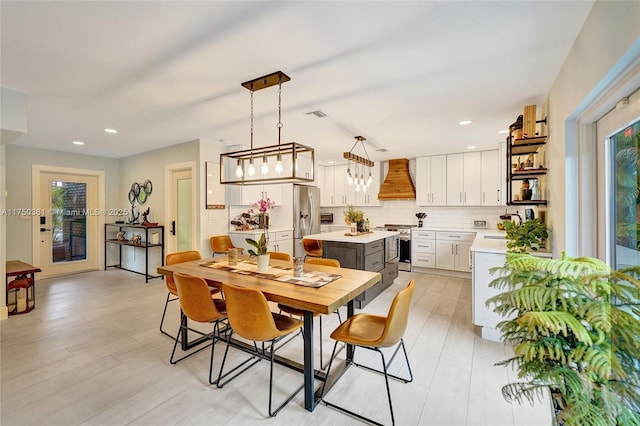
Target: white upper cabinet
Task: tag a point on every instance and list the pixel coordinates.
(493, 178)
(327, 187)
(431, 180)
(369, 197)
(334, 191)
(344, 193)
(246, 195)
(464, 178)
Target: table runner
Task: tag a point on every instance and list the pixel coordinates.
(276, 273)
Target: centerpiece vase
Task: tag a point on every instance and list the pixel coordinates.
(263, 262)
(263, 220)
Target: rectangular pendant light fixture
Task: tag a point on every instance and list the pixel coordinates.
(281, 163)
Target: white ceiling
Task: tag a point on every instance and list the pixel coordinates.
(403, 74)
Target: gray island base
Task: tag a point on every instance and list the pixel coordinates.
(376, 251)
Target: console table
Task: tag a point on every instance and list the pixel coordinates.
(145, 243)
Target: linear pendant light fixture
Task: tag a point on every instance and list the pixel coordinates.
(293, 162)
(359, 166)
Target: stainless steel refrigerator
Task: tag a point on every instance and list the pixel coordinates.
(306, 215)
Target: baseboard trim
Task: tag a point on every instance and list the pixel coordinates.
(443, 272)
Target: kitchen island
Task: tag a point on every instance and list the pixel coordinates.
(375, 251)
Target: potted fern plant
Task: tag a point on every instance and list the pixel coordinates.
(575, 330)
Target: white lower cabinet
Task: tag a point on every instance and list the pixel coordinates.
(481, 314)
(281, 240)
(423, 249)
(452, 250)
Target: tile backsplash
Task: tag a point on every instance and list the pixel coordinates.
(404, 213)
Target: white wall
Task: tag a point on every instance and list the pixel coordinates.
(212, 222)
(13, 119)
(609, 32)
(151, 165)
(18, 185)
(3, 232)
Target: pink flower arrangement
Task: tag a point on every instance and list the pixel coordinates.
(264, 205)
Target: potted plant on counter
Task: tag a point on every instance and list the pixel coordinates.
(260, 252)
(351, 215)
(526, 236)
(575, 330)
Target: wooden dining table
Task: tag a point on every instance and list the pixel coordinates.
(323, 300)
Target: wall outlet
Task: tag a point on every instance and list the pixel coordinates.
(480, 224)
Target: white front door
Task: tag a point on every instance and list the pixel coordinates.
(67, 236)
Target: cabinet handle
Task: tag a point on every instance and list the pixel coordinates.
(465, 196)
(461, 197)
(498, 195)
(483, 198)
(332, 199)
(456, 250)
(451, 248)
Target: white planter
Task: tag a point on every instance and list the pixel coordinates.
(263, 263)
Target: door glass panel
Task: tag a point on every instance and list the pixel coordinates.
(68, 221)
(183, 222)
(625, 148)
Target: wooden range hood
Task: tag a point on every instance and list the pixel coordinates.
(398, 184)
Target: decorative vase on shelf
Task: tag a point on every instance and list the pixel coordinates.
(263, 262)
(535, 190)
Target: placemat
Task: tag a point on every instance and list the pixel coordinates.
(276, 273)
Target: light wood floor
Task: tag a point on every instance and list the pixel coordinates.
(91, 353)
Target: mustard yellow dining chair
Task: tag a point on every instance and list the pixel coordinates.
(251, 318)
(172, 294)
(298, 312)
(278, 255)
(374, 332)
(197, 305)
(312, 248)
(220, 244)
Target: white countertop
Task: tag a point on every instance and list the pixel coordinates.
(338, 236)
(253, 231)
(495, 242)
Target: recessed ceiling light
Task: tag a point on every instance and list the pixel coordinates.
(330, 162)
(502, 132)
(111, 130)
(381, 150)
(465, 122)
(78, 143)
(471, 147)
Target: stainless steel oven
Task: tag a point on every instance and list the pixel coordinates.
(404, 258)
(404, 263)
